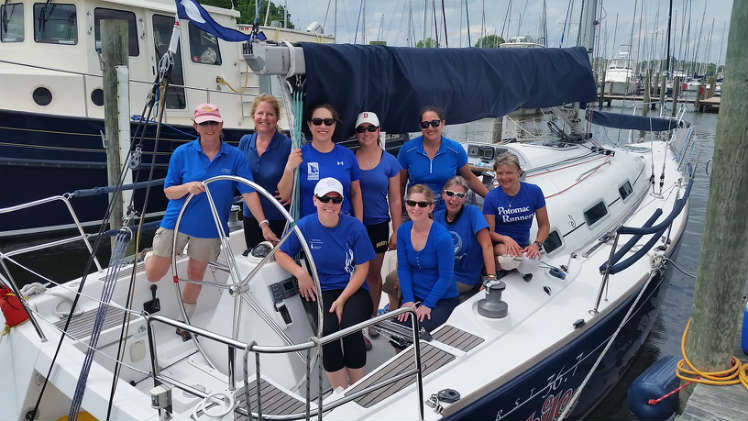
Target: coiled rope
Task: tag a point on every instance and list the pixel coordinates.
(736, 374)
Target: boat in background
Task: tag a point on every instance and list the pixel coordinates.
(619, 77)
(52, 102)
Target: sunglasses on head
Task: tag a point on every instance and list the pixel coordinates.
(327, 199)
(451, 193)
(433, 123)
(208, 123)
(327, 121)
(361, 129)
(413, 203)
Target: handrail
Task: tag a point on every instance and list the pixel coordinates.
(677, 207)
(234, 344)
(632, 241)
(69, 206)
(95, 191)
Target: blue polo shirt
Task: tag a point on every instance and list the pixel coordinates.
(189, 163)
(468, 252)
(427, 274)
(336, 251)
(514, 214)
(375, 185)
(267, 169)
(447, 162)
(339, 163)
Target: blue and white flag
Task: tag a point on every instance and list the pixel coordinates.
(191, 10)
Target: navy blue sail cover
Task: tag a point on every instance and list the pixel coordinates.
(467, 83)
(634, 122)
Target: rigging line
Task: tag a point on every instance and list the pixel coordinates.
(444, 18)
(123, 337)
(82, 283)
(358, 20)
(566, 20)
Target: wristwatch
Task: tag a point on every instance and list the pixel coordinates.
(539, 244)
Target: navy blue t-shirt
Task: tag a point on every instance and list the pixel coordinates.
(189, 163)
(514, 213)
(336, 251)
(267, 169)
(375, 184)
(468, 252)
(339, 163)
(447, 162)
(427, 274)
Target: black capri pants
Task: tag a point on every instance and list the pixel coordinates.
(349, 351)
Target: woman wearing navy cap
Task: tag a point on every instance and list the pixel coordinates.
(341, 251)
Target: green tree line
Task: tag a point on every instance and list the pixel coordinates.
(247, 11)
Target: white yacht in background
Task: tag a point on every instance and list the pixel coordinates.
(52, 103)
(619, 78)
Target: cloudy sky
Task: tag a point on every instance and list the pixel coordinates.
(389, 20)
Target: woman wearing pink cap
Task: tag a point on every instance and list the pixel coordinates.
(189, 165)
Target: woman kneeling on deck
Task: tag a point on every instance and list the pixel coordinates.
(425, 262)
(341, 251)
(509, 209)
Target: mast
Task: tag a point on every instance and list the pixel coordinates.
(467, 19)
(588, 26)
(669, 21)
(544, 24)
(363, 22)
(444, 19)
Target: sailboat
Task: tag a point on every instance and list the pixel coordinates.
(572, 324)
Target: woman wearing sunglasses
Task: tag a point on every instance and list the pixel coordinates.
(473, 248)
(380, 188)
(320, 159)
(189, 165)
(267, 152)
(510, 208)
(425, 262)
(341, 251)
(432, 159)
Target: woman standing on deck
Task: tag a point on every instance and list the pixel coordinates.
(341, 251)
(425, 262)
(510, 208)
(432, 159)
(267, 152)
(320, 159)
(380, 186)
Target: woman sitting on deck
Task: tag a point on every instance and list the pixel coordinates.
(425, 262)
(473, 250)
(341, 251)
(509, 210)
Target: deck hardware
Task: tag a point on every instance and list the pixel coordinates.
(492, 306)
(547, 289)
(448, 395)
(579, 323)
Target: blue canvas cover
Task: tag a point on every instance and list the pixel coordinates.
(635, 122)
(468, 83)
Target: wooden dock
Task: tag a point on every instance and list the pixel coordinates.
(705, 105)
(716, 403)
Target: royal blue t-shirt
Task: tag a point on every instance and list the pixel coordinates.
(427, 274)
(468, 252)
(375, 184)
(432, 172)
(267, 169)
(514, 213)
(336, 251)
(339, 163)
(189, 163)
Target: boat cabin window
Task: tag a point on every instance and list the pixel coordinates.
(203, 46)
(595, 213)
(625, 190)
(552, 242)
(132, 29)
(162, 26)
(55, 23)
(11, 22)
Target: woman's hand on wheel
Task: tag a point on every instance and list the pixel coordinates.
(306, 286)
(195, 187)
(404, 316)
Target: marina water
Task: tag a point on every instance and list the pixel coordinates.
(67, 262)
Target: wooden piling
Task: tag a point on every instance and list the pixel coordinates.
(675, 93)
(663, 91)
(114, 52)
(602, 90)
(723, 262)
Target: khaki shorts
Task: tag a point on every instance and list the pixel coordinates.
(200, 249)
(391, 284)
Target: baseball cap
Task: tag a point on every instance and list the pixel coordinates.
(328, 185)
(367, 117)
(207, 112)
